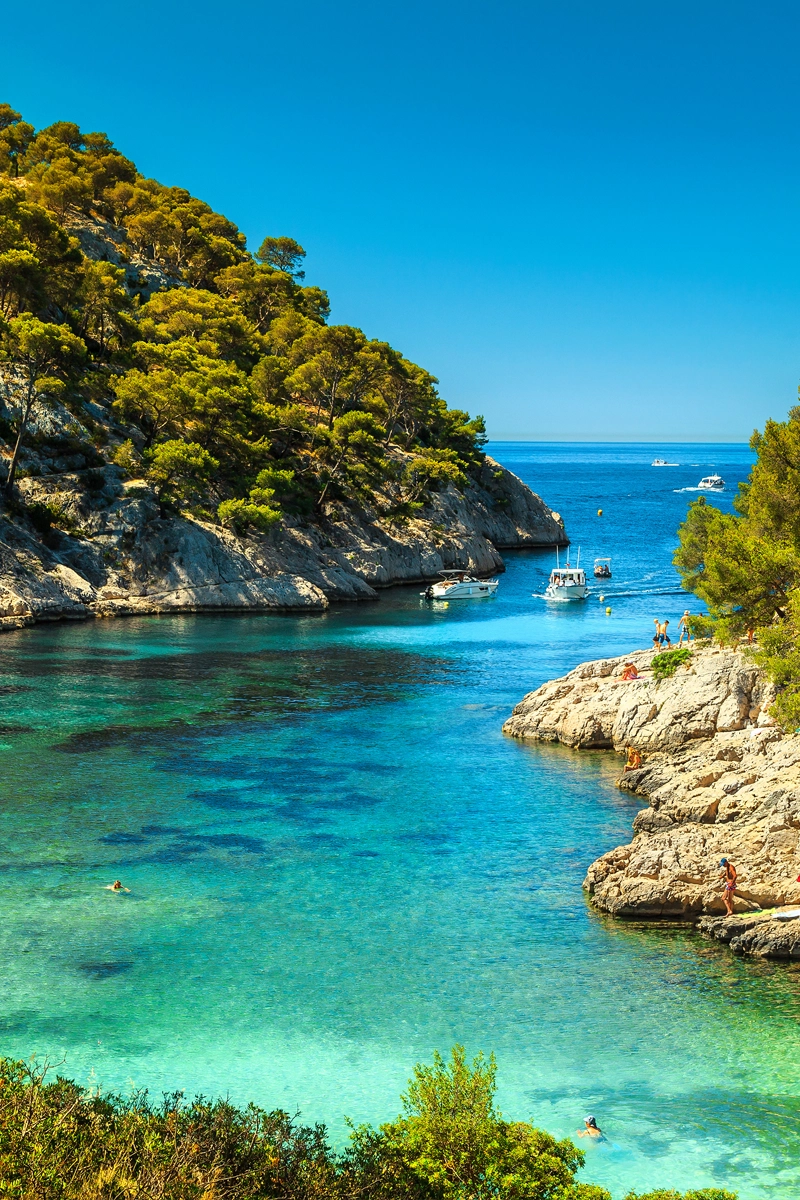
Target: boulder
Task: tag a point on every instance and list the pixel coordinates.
(720, 780)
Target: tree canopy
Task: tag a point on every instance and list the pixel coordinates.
(62, 1142)
(234, 357)
(746, 564)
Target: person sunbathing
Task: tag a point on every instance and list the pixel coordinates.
(630, 672)
(633, 761)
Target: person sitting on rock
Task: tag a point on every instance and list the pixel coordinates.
(630, 671)
(633, 761)
(729, 891)
(592, 1129)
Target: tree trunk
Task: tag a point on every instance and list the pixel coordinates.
(23, 423)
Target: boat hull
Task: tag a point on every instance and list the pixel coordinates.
(476, 589)
(577, 592)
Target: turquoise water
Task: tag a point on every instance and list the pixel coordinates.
(337, 863)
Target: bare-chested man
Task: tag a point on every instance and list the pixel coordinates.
(729, 892)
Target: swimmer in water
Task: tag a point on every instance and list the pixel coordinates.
(591, 1129)
(116, 886)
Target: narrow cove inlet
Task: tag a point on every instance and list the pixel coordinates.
(337, 863)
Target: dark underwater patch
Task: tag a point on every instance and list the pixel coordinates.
(228, 800)
(10, 729)
(122, 839)
(231, 841)
(104, 970)
(162, 830)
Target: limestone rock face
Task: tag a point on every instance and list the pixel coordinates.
(720, 778)
(593, 707)
(113, 551)
(760, 934)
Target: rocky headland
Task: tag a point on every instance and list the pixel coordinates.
(89, 543)
(82, 538)
(719, 777)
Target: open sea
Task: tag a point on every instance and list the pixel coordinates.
(338, 864)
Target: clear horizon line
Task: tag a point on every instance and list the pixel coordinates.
(606, 440)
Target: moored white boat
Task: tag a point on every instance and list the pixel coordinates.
(712, 483)
(662, 462)
(567, 583)
(458, 585)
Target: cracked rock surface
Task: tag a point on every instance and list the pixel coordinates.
(115, 552)
(719, 777)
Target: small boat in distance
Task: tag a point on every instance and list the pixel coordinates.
(602, 568)
(712, 483)
(458, 585)
(662, 462)
(567, 583)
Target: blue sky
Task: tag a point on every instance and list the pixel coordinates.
(582, 217)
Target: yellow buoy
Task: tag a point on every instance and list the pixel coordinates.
(599, 512)
(602, 598)
(608, 611)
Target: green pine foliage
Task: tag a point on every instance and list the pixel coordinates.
(666, 664)
(233, 358)
(59, 1141)
(746, 565)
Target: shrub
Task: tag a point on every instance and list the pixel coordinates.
(703, 1194)
(239, 514)
(665, 665)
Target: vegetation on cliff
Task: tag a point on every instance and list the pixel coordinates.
(239, 399)
(61, 1142)
(746, 565)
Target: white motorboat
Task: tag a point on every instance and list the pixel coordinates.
(602, 568)
(567, 582)
(458, 585)
(712, 483)
(662, 462)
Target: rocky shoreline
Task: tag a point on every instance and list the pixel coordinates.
(720, 779)
(112, 550)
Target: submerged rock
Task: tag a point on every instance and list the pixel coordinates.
(720, 778)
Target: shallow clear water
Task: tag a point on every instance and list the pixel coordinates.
(337, 863)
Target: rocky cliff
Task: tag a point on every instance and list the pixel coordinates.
(86, 543)
(720, 779)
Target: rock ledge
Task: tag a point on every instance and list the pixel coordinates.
(720, 779)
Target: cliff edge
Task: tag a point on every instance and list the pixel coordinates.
(719, 777)
(87, 543)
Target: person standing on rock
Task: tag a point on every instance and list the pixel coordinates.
(685, 628)
(729, 892)
(661, 633)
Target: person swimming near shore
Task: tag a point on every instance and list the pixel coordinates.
(116, 886)
(592, 1129)
(729, 874)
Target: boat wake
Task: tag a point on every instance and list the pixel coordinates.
(705, 491)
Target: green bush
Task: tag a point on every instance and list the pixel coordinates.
(702, 1194)
(666, 664)
(241, 514)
